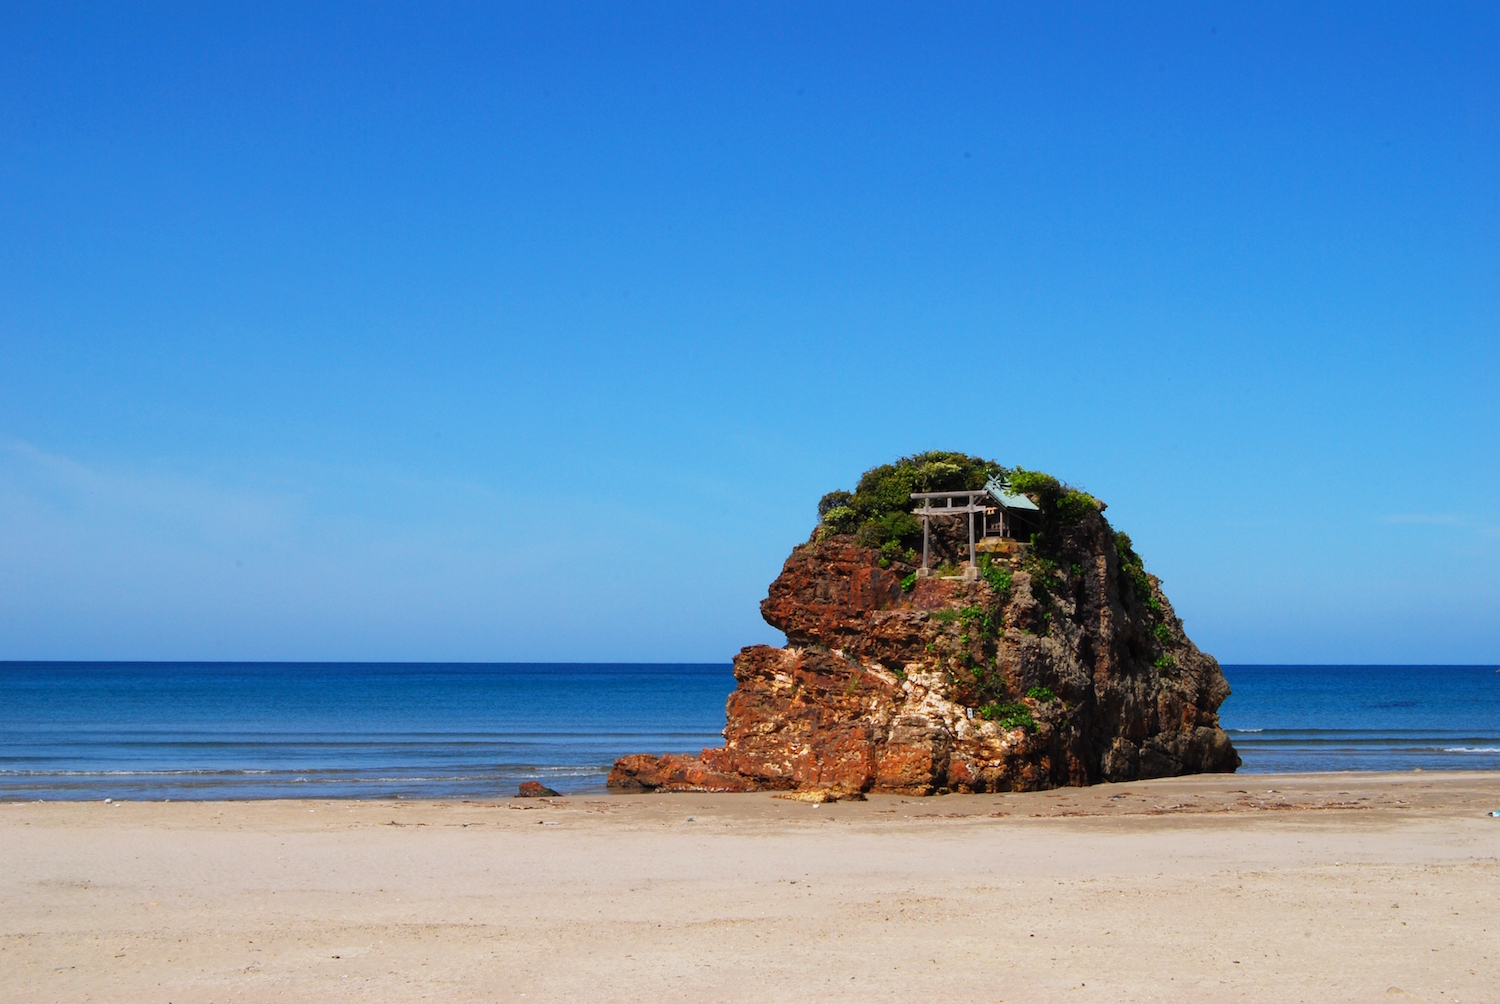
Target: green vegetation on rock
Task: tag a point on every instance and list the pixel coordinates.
(998, 578)
(1065, 503)
(1008, 715)
(1133, 572)
(878, 511)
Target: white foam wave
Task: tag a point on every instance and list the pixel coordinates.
(1471, 749)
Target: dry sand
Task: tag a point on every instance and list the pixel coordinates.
(1334, 887)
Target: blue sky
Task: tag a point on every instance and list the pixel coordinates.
(535, 332)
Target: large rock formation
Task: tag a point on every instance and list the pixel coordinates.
(1047, 671)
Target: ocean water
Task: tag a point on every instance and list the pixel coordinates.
(1326, 718)
(246, 730)
(321, 730)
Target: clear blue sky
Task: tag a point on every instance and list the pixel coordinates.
(535, 332)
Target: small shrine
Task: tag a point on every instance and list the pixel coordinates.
(1001, 512)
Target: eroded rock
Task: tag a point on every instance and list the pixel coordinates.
(1065, 670)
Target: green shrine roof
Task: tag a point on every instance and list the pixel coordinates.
(1001, 493)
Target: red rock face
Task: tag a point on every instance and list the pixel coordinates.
(884, 690)
(827, 593)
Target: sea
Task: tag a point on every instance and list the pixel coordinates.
(175, 730)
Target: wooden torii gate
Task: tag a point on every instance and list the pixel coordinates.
(970, 506)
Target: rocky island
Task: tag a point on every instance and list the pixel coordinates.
(1038, 655)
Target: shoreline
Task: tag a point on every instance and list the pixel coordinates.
(1289, 778)
(1244, 887)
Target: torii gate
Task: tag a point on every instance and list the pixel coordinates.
(971, 505)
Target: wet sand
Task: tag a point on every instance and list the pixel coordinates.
(1329, 887)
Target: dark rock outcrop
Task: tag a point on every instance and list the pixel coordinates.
(1066, 670)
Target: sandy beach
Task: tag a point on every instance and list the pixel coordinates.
(1331, 887)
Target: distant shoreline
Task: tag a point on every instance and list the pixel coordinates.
(1211, 782)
